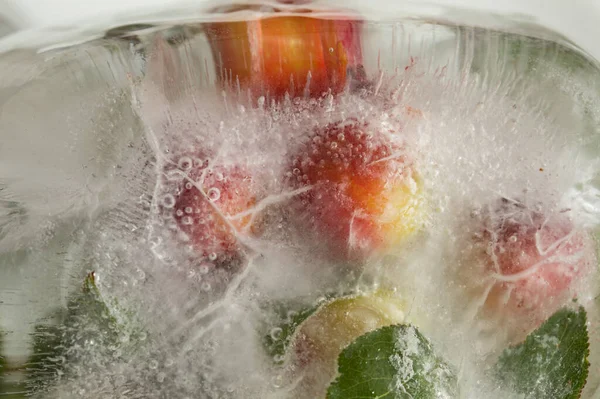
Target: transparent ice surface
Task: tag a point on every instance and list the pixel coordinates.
(98, 138)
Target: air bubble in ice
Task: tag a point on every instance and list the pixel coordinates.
(277, 381)
(276, 333)
(168, 201)
(188, 209)
(160, 377)
(219, 176)
(334, 145)
(185, 163)
(187, 220)
(205, 286)
(153, 364)
(214, 194)
(212, 256)
(199, 162)
(189, 185)
(203, 269)
(179, 212)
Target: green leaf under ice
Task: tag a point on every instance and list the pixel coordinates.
(392, 362)
(47, 362)
(3, 387)
(9, 388)
(2, 360)
(552, 362)
(91, 332)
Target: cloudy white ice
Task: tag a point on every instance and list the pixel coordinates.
(99, 139)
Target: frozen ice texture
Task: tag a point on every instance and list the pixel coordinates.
(469, 104)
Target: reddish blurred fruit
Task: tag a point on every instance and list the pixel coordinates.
(363, 194)
(206, 204)
(295, 54)
(536, 261)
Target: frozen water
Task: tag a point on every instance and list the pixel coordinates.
(128, 159)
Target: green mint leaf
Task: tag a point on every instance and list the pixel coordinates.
(392, 362)
(552, 362)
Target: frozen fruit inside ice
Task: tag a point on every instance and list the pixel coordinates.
(295, 54)
(320, 339)
(208, 206)
(336, 324)
(535, 261)
(364, 193)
